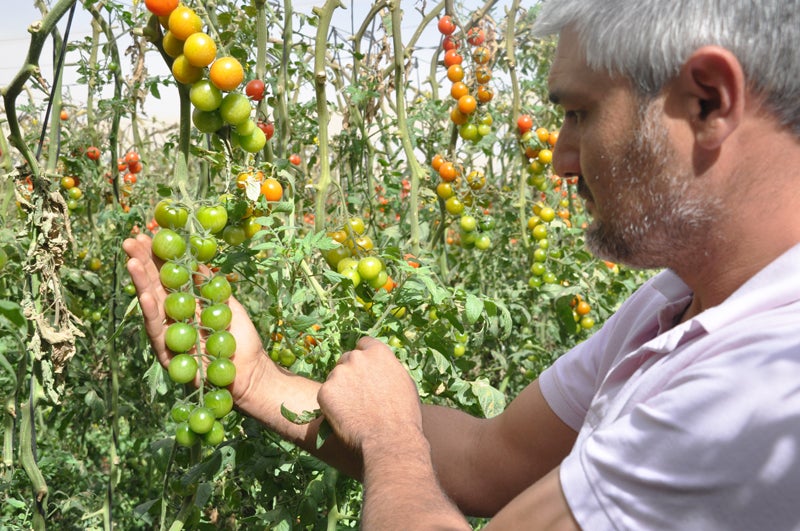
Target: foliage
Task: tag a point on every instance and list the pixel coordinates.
(88, 439)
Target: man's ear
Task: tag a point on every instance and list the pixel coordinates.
(712, 87)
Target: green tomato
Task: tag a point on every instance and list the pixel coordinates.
(380, 280)
(202, 249)
(168, 244)
(487, 223)
(216, 317)
(201, 420)
(468, 223)
(180, 337)
(234, 235)
(180, 305)
(454, 206)
(205, 96)
(221, 344)
(254, 141)
(182, 368)
(221, 372)
(352, 275)
(218, 289)
(184, 435)
(219, 401)
(173, 275)
(169, 215)
(180, 412)
(483, 242)
(213, 218)
(235, 108)
(369, 267)
(216, 435)
(207, 121)
(129, 288)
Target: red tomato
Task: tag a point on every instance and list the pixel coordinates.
(255, 90)
(294, 158)
(446, 25)
(93, 153)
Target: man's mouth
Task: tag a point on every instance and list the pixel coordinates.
(585, 194)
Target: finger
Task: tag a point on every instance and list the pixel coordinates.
(367, 342)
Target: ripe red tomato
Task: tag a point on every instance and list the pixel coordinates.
(524, 123)
(268, 128)
(449, 43)
(294, 158)
(161, 8)
(452, 57)
(446, 25)
(255, 89)
(131, 157)
(93, 153)
(476, 36)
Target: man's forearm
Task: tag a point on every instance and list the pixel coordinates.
(401, 490)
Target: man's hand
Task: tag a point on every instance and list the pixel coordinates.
(369, 396)
(249, 357)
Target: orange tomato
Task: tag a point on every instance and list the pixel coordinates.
(183, 22)
(455, 73)
(467, 104)
(437, 161)
(271, 189)
(452, 57)
(448, 172)
(199, 49)
(161, 8)
(459, 89)
(226, 73)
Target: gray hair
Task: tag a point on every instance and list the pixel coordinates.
(647, 41)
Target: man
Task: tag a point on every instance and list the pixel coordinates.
(682, 121)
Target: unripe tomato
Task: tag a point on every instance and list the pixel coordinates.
(180, 337)
(168, 244)
(221, 344)
(219, 401)
(180, 305)
(170, 215)
(468, 223)
(357, 225)
(182, 368)
(184, 72)
(207, 121)
(271, 189)
(217, 289)
(183, 22)
(253, 142)
(216, 435)
(205, 96)
(217, 317)
(180, 412)
(173, 275)
(213, 218)
(202, 249)
(199, 49)
(226, 73)
(221, 372)
(454, 206)
(369, 267)
(184, 435)
(235, 108)
(201, 420)
(173, 46)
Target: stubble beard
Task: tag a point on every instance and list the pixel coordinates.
(658, 218)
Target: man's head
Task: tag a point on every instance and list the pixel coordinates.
(648, 41)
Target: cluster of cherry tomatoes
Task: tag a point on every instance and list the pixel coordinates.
(581, 312)
(470, 90)
(354, 258)
(183, 242)
(215, 99)
(129, 166)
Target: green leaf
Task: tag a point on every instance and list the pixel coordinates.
(474, 308)
(299, 418)
(155, 380)
(491, 400)
(13, 312)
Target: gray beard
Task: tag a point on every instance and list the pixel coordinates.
(660, 217)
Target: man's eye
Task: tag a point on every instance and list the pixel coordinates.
(573, 116)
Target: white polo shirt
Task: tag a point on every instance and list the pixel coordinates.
(688, 427)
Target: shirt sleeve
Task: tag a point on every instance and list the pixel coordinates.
(717, 449)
